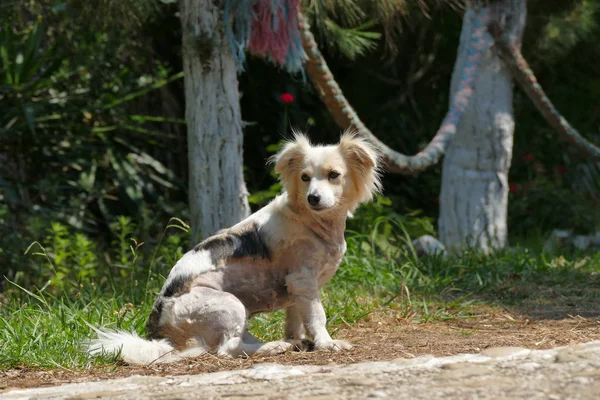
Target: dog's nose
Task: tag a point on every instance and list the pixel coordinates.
(313, 199)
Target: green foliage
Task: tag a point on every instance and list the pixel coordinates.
(560, 189)
(547, 200)
(73, 256)
(70, 111)
(567, 29)
(353, 42)
(348, 26)
(44, 315)
(379, 216)
(127, 15)
(66, 259)
(75, 145)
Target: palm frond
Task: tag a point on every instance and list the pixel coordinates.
(387, 19)
(564, 31)
(353, 42)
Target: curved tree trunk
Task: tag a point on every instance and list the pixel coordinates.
(217, 192)
(474, 195)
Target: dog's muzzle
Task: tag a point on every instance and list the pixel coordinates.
(314, 200)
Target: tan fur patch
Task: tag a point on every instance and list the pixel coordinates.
(178, 336)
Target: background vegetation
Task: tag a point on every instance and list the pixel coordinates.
(93, 162)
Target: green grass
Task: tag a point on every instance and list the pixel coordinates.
(44, 327)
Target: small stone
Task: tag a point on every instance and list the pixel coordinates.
(581, 380)
(378, 393)
(413, 361)
(497, 352)
(491, 361)
(567, 356)
(592, 373)
(528, 367)
(361, 382)
(489, 381)
(558, 238)
(457, 365)
(269, 371)
(464, 369)
(582, 242)
(428, 245)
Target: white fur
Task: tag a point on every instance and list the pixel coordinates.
(197, 262)
(279, 257)
(132, 348)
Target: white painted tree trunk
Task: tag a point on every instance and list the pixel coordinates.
(474, 195)
(217, 192)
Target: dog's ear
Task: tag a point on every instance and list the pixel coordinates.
(364, 162)
(358, 151)
(291, 156)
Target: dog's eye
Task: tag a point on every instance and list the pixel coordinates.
(305, 178)
(333, 175)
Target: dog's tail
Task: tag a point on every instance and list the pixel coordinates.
(131, 348)
(136, 350)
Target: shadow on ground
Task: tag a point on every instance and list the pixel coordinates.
(549, 295)
(535, 288)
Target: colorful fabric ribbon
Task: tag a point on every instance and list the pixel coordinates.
(267, 28)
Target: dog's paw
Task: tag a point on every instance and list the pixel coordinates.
(277, 347)
(334, 345)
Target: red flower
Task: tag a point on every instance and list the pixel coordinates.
(528, 157)
(286, 98)
(561, 170)
(436, 200)
(513, 187)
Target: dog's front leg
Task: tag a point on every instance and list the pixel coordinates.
(294, 328)
(303, 288)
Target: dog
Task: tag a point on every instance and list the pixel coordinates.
(279, 257)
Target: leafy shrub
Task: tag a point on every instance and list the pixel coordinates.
(67, 260)
(76, 146)
(545, 197)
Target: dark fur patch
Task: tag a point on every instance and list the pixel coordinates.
(228, 245)
(220, 247)
(305, 345)
(152, 328)
(251, 244)
(177, 286)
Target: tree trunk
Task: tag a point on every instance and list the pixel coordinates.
(474, 195)
(217, 192)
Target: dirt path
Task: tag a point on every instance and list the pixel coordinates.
(381, 337)
(569, 372)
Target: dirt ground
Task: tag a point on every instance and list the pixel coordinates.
(382, 336)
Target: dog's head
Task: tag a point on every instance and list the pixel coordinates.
(326, 179)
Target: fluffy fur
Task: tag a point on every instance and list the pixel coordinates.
(279, 257)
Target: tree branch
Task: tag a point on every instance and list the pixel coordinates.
(523, 74)
(346, 117)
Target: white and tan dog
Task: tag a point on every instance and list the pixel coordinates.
(279, 257)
